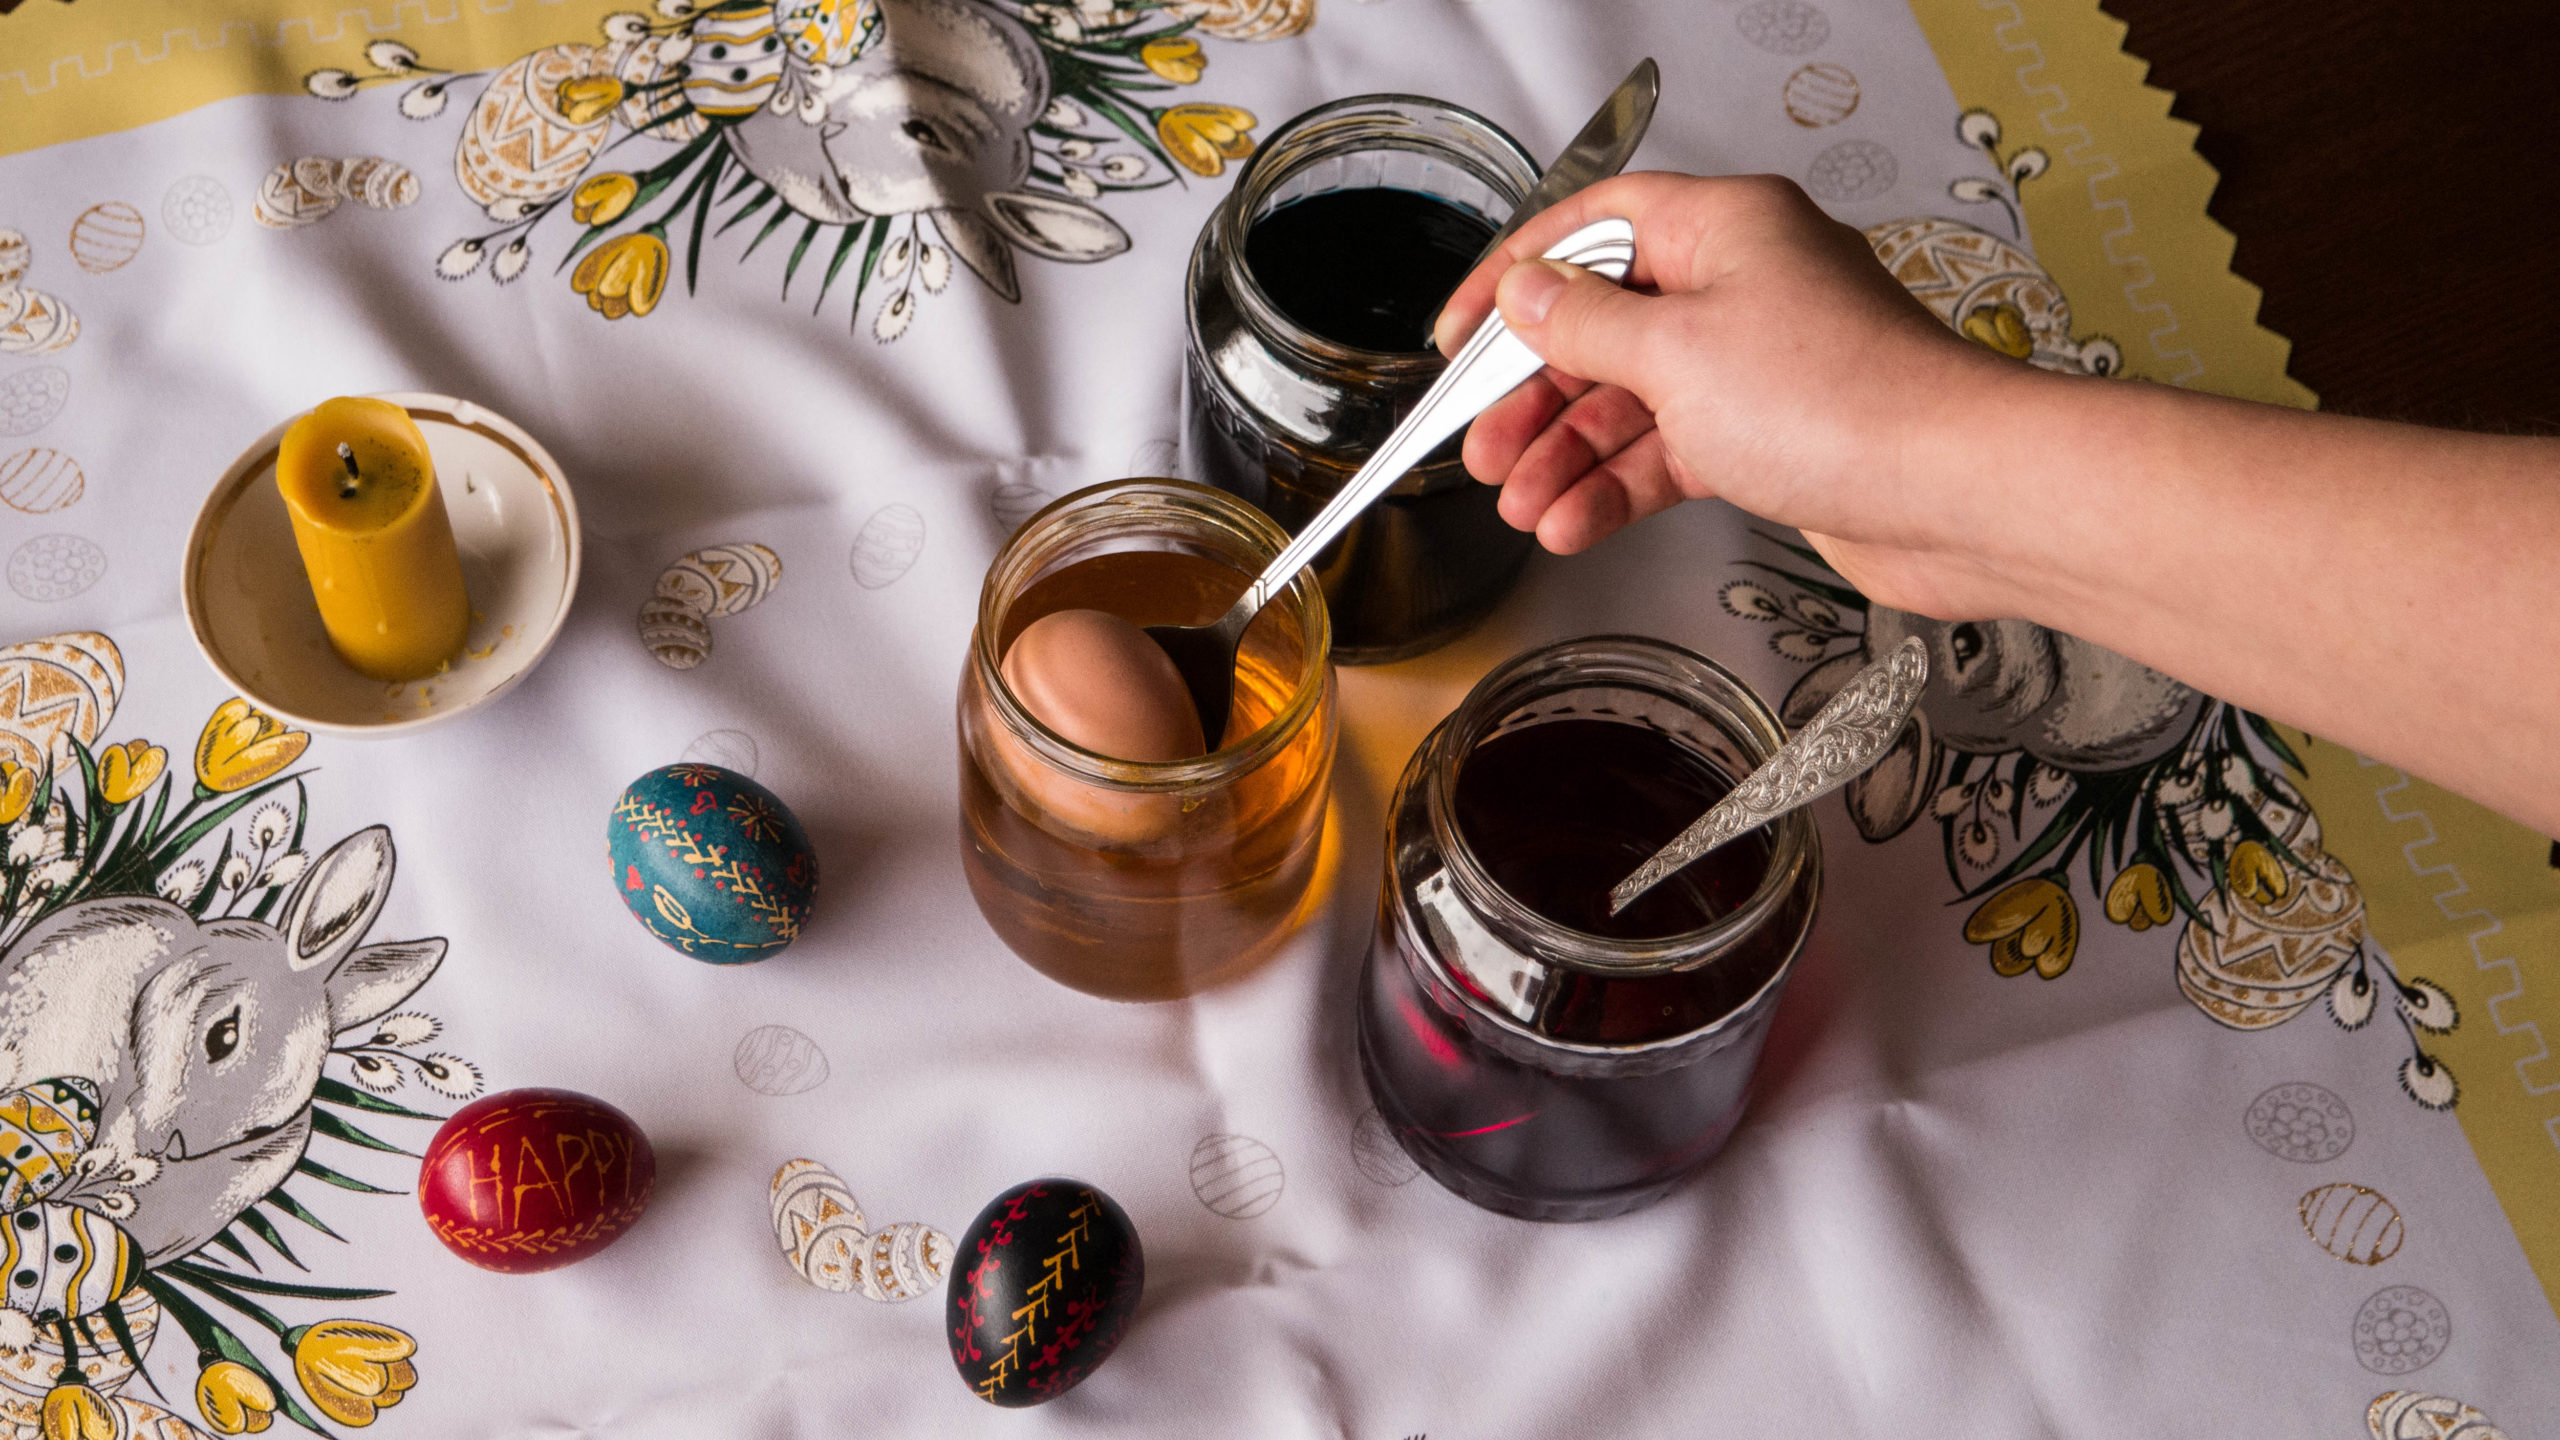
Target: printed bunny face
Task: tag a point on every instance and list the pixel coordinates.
(935, 120)
(2001, 685)
(1998, 686)
(205, 1039)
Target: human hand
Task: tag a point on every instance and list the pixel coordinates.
(1758, 352)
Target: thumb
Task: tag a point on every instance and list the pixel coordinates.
(1580, 323)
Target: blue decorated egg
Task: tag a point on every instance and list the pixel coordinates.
(712, 863)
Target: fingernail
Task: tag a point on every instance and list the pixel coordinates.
(1528, 291)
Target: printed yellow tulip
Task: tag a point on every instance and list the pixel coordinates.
(127, 770)
(2001, 328)
(601, 199)
(588, 98)
(2139, 898)
(2255, 873)
(1205, 137)
(1176, 58)
(623, 276)
(241, 746)
(235, 1399)
(2030, 925)
(352, 1368)
(76, 1412)
(17, 790)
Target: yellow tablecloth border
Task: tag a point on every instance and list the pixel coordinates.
(68, 72)
(2468, 899)
(2120, 219)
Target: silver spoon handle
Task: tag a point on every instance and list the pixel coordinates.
(1483, 371)
(1836, 746)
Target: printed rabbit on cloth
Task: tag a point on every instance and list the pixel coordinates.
(174, 987)
(914, 130)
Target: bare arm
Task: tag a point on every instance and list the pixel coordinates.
(2388, 587)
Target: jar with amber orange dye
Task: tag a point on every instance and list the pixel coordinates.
(1148, 881)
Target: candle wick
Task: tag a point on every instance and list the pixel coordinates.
(347, 457)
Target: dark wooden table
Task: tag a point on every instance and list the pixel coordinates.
(2392, 169)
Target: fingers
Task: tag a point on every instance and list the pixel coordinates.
(1631, 197)
(1631, 485)
(1584, 325)
(1584, 436)
(1504, 432)
(1573, 466)
(1674, 216)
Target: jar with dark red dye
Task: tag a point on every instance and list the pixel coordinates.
(1533, 1053)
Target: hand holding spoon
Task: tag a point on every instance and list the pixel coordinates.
(1842, 740)
(1483, 371)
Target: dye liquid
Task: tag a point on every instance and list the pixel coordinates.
(1366, 268)
(1616, 1086)
(1216, 888)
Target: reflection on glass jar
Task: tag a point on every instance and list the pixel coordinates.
(1137, 881)
(1311, 295)
(1534, 1054)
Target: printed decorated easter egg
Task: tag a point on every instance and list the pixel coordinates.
(712, 863)
(735, 62)
(674, 632)
(288, 198)
(65, 1260)
(1048, 1279)
(29, 399)
(40, 481)
(43, 1129)
(376, 183)
(536, 127)
(650, 66)
(197, 210)
(106, 236)
(53, 687)
(818, 1224)
(530, 1180)
(722, 580)
(903, 1261)
(888, 546)
(828, 32)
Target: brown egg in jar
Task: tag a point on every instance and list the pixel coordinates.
(1102, 685)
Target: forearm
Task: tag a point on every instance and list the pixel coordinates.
(2386, 587)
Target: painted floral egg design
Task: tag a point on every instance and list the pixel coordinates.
(712, 863)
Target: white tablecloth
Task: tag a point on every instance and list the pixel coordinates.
(1962, 1203)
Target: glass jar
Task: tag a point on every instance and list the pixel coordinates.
(1147, 881)
(1283, 416)
(1540, 1070)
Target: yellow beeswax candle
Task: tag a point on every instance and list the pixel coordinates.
(375, 538)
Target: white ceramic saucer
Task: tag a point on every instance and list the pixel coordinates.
(249, 600)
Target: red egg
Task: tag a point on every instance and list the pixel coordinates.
(529, 1180)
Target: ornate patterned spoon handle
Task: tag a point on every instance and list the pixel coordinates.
(1837, 746)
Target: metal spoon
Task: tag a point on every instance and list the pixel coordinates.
(1836, 746)
(1483, 371)
(1607, 141)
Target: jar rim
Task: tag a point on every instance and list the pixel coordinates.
(1258, 176)
(1091, 511)
(1677, 673)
